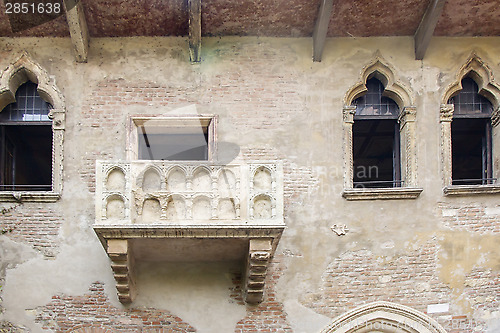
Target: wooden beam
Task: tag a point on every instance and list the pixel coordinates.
(321, 28)
(194, 7)
(77, 29)
(426, 28)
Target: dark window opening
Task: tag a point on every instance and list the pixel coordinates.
(173, 143)
(471, 137)
(471, 151)
(376, 151)
(26, 143)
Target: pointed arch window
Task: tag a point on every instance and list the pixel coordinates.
(471, 136)
(380, 160)
(26, 142)
(376, 139)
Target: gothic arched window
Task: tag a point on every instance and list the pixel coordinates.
(376, 141)
(26, 142)
(471, 136)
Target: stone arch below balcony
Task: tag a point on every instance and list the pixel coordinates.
(202, 208)
(262, 207)
(202, 181)
(151, 180)
(226, 182)
(175, 207)
(151, 211)
(262, 179)
(227, 209)
(176, 179)
(115, 207)
(115, 180)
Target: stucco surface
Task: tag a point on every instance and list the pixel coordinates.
(272, 102)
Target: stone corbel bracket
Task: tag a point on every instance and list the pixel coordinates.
(122, 264)
(259, 255)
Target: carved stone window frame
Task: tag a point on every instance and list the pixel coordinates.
(19, 72)
(210, 121)
(475, 68)
(379, 69)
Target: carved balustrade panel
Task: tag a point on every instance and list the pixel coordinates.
(188, 193)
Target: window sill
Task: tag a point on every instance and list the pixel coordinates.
(464, 190)
(19, 196)
(397, 193)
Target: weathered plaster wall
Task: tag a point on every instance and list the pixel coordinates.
(272, 102)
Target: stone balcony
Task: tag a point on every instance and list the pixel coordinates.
(189, 211)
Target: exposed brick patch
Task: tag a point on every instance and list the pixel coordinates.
(258, 98)
(93, 312)
(298, 181)
(104, 107)
(268, 316)
(357, 278)
(236, 291)
(34, 223)
(482, 287)
(87, 171)
(472, 218)
(103, 110)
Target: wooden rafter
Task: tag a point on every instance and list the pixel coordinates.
(77, 29)
(426, 28)
(321, 28)
(194, 30)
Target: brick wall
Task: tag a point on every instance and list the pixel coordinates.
(360, 277)
(476, 218)
(93, 312)
(87, 171)
(34, 223)
(411, 279)
(298, 180)
(104, 106)
(268, 316)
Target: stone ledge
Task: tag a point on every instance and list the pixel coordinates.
(15, 196)
(187, 231)
(396, 193)
(464, 190)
